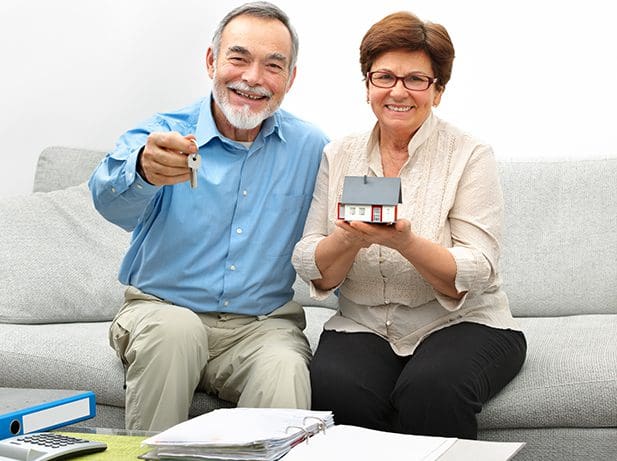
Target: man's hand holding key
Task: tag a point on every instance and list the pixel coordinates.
(169, 158)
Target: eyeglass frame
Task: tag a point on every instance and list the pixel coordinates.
(431, 80)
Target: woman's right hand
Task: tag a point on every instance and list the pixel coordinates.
(350, 236)
(336, 253)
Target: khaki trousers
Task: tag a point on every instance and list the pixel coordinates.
(254, 361)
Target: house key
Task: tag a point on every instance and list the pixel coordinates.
(194, 161)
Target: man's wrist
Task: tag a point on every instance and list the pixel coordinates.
(138, 166)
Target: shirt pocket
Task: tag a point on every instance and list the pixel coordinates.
(283, 222)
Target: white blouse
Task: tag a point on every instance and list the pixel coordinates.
(452, 196)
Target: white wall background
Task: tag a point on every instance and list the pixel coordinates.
(537, 79)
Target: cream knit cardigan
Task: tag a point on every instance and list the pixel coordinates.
(452, 196)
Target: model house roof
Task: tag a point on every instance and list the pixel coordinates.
(371, 190)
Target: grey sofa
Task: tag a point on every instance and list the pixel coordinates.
(58, 292)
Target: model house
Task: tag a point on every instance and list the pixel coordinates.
(370, 199)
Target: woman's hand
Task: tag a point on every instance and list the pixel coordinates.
(348, 235)
(397, 236)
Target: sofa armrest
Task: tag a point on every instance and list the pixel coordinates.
(59, 167)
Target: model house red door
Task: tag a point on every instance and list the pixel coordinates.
(376, 213)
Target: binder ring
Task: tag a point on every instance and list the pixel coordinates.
(305, 436)
(321, 425)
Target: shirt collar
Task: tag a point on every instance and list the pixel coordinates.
(423, 133)
(206, 128)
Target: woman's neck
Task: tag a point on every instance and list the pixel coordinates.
(394, 150)
(393, 158)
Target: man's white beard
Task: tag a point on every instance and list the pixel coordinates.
(243, 118)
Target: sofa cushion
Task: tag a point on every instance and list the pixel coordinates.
(62, 356)
(560, 237)
(60, 259)
(315, 319)
(569, 378)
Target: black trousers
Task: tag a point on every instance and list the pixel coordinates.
(436, 391)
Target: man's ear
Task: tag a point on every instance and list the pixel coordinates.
(210, 62)
(292, 77)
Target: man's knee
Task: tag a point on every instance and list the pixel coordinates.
(279, 374)
(170, 333)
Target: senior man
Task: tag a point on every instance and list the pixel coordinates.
(208, 303)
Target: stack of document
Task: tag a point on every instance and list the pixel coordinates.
(260, 434)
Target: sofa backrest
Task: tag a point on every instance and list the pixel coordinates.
(60, 258)
(559, 254)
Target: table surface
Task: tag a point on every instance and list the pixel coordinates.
(128, 446)
(122, 445)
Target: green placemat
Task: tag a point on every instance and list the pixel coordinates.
(119, 447)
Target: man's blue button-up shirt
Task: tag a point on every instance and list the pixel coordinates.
(226, 245)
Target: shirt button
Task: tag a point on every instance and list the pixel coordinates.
(239, 230)
(388, 323)
(232, 267)
(139, 186)
(245, 193)
(387, 301)
(113, 189)
(226, 303)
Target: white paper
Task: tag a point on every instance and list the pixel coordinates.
(359, 444)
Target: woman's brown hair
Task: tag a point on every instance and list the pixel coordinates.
(405, 31)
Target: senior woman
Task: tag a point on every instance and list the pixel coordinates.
(423, 336)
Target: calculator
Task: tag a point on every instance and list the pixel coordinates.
(44, 446)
